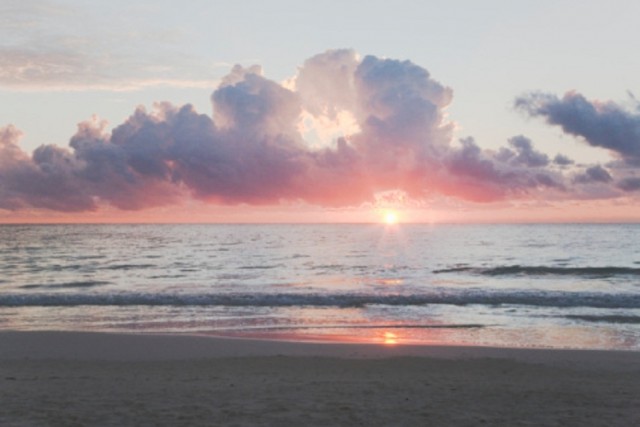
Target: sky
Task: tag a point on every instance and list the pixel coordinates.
(334, 111)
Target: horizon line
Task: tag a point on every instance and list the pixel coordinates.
(431, 223)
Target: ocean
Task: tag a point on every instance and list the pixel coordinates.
(540, 286)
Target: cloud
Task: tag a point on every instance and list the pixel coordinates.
(593, 174)
(45, 47)
(524, 154)
(562, 160)
(485, 175)
(252, 150)
(46, 180)
(326, 83)
(630, 184)
(46, 69)
(601, 124)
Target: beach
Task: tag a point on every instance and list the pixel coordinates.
(75, 378)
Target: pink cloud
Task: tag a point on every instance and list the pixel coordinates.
(251, 151)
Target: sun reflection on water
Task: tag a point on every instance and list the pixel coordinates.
(390, 338)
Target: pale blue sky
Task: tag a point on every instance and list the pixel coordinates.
(63, 61)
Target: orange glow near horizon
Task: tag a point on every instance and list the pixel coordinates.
(200, 212)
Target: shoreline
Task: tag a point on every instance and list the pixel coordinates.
(77, 345)
(106, 379)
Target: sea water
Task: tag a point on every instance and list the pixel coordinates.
(559, 286)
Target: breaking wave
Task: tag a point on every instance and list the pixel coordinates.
(538, 298)
(524, 270)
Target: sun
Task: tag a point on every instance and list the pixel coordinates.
(390, 217)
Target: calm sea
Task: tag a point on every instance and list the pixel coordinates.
(561, 286)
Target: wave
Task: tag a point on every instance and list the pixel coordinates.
(83, 284)
(128, 266)
(524, 270)
(261, 267)
(615, 318)
(495, 298)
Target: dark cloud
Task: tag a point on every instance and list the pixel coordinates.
(252, 150)
(630, 184)
(562, 160)
(601, 124)
(593, 174)
(474, 174)
(523, 153)
(488, 176)
(47, 180)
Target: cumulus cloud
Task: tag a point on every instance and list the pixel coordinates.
(326, 83)
(46, 180)
(251, 149)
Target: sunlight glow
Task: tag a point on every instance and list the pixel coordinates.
(390, 217)
(390, 338)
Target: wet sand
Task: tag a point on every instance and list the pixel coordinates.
(67, 379)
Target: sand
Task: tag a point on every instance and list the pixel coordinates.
(69, 379)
